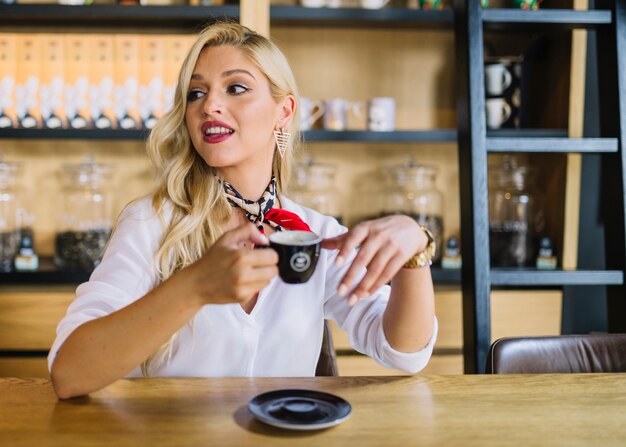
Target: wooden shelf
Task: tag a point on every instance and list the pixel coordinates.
(359, 17)
(74, 134)
(539, 278)
(399, 136)
(49, 274)
(508, 19)
(550, 145)
(311, 136)
(114, 15)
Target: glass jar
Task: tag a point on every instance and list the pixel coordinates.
(410, 189)
(85, 217)
(515, 219)
(9, 212)
(313, 186)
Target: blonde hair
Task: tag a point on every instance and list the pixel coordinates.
(185, 182)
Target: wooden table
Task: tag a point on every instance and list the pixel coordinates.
(515, 410)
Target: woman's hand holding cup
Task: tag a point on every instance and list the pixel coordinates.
(231, 273)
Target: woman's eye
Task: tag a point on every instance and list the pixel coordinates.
(194, 94)
(237, 89)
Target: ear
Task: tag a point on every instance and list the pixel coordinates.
(286, 111)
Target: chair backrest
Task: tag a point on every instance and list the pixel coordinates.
(592, 353)
(327, 363)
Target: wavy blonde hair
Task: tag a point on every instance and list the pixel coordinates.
(185, 183)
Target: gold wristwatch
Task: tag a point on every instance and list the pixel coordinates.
(423, 258)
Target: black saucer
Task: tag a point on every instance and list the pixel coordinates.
(300, 409)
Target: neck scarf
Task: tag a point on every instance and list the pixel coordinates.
(263, 211)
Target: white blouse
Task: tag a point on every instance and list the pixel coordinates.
(282, 336)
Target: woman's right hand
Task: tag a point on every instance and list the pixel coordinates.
(231, 273)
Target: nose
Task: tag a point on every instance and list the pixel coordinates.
(213, 103)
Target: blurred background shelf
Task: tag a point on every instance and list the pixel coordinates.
(359, 17)
(49, 274)
(508, 19)
(114, 15)
(399, 136)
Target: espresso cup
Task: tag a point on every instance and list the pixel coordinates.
(298, 252)
(498, 79)
(498, 112)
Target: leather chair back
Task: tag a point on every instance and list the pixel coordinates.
(593, 353)
(327, 363)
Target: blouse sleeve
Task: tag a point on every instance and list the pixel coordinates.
(363, 322)
(125, 273)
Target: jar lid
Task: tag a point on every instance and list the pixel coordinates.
(88, 173)
(411, 172)
(512, 174)
(310, 172)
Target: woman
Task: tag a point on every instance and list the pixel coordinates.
(180, 292)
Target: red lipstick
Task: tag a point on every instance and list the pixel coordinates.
(223, 134)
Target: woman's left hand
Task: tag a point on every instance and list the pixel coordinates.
(386, 244)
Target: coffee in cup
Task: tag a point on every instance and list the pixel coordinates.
(298, 252)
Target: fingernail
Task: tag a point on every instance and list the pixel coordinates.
(342, 290)
(265, 239)
(339, 261)
(353, 300)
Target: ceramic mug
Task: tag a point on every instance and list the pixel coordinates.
(373, 4)
(336, 114)
(498, 79)
(313, 3)
(381, 113)
(310, 111)
(498, 112)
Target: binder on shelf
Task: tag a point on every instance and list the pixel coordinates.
(77, 47)
(151, 79)
(28, 81)
(126, 90)
(175, 47)
(101, 81)
(51, 98)
(8, 75)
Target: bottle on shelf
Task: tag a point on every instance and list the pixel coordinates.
(26, 259)
(451, 258)
(546, 260)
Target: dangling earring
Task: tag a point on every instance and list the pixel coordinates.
(282, 138)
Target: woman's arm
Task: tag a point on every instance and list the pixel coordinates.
(384, 247)
(108, 348)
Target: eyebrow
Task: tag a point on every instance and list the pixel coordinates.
(198, 76)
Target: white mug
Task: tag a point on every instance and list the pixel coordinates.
(336, 114)
(310, 111)
(381, 114)
(497, 79)
(313, 3)
(373, 4)
(498, 111)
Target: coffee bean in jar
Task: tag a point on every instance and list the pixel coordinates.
(80, 250)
